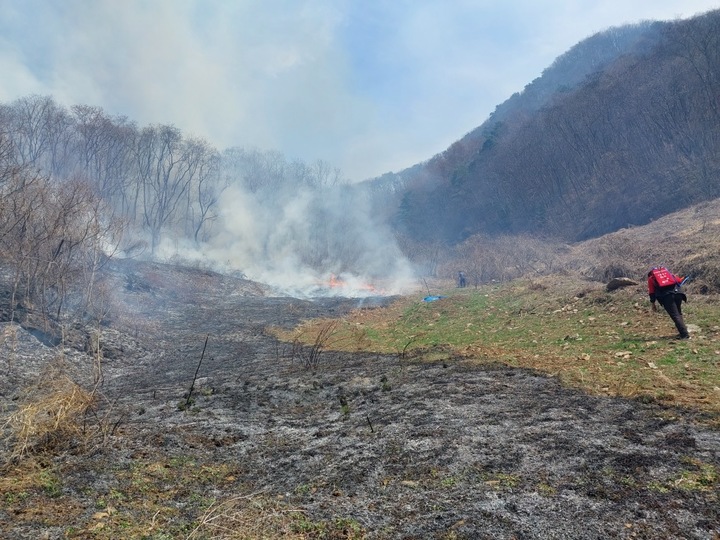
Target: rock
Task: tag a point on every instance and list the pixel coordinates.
(620, 282)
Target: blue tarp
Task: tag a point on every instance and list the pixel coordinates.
(432, 298)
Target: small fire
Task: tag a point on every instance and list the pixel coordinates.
(350, 286)
(336, 282)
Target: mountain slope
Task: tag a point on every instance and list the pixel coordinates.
(636, 139)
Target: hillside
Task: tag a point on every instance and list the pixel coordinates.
(200, 406)
(590, 147)
(514, 411)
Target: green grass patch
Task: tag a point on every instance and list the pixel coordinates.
(606, 343)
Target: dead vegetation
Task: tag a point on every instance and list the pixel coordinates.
(687, 241)
(545, 407)
(258, 516)
(310, 354)
(51, 418)
(57, 414)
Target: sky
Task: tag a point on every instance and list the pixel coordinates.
(369, 86)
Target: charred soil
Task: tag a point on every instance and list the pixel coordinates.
(212, 428)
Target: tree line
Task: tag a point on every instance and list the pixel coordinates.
(77, 183)
(159, 180)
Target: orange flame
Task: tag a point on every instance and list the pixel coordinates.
(337, 283)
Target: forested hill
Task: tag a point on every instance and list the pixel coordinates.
(622, 129)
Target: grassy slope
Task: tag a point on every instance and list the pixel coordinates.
(567, 325)
(604, 342)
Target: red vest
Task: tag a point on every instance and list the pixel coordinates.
(663, 277)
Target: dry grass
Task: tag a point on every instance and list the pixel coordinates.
(257, 516)
(687, 242)
(247, 517)
(51, 416)
(605, 343)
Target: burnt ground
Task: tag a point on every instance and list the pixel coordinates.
(405, 449)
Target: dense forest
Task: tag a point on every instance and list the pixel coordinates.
(620, 130)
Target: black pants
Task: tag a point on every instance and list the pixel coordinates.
(673, 305)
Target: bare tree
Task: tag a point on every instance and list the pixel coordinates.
(30, 119)
(166, 165)
(103, 147)
(202, 211)
(53, 237)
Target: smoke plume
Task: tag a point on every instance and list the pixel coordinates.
(303, 241)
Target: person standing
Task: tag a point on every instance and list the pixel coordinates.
(666, 288)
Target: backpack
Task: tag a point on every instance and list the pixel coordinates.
(663, 277)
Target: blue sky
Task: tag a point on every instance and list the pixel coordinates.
(370, 86)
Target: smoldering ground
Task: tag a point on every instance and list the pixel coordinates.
(402, 449)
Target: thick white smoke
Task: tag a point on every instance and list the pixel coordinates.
(303, 242)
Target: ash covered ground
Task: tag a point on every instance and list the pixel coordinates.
(409, 450)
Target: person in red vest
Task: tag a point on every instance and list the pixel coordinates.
(665, 288)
